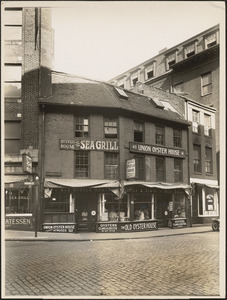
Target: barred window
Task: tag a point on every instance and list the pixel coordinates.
(159, 135)
(111, 127)
(177, 138)
(160, 169)
(138, 131)
(81, 164)
(111, 166)
(197, 158)
(81, 127)
(177, 170)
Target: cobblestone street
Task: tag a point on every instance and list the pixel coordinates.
(166, 266)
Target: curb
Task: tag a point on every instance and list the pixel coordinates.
(33, 239)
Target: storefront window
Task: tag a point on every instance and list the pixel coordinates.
(57, 202)
(17, 201)
(179, 206)
(142, 207)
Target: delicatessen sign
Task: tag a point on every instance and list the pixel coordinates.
(65, 144)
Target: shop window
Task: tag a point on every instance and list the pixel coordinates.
(178, 170)
(160, 169)
(138, 131)
(17, 201)
(111, 166)
(159, 135)
(150, 71)
(197, 158)
(206, 84)
(142, 207)
(81, 126)
(177, 138)
(57, 202)
(208, 201)
(208, 160)
(81, 164)
(207, 125)
(179, 206)
(111, 127)
(189, 50)
(12, 137)
(195, 121)
(211, 40)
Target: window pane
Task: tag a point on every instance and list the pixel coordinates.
(13, 33)
(160, 169)
(12, 89)
(82, 165)
(111, 166)
(12, 130)
(12, 146)
(13, 17)
(12, 73)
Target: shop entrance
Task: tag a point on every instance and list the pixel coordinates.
(85, 212)
(162, 209)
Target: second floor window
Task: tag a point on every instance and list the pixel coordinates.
(197, 158)
(195, 121)
(206, 84)
(177, 170)
(208, 160)
(81, 164)
(159, 135)
(81, 127)
(111, 166)
(12, 137)
(138, 131)
(177, 138)
(207, 125)
(110, 127)
(160, 169)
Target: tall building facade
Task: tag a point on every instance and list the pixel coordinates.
(28, 57)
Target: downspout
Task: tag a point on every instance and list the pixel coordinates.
(42, 161)
(189, 169)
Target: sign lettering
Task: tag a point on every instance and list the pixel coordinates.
(130, 168)
(88, 145)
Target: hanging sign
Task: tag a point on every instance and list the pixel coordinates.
(26, 163)
(131, 168)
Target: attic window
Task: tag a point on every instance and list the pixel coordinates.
(157, 103)
(121, 93)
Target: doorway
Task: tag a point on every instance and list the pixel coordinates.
(85, 212)
(162, 208)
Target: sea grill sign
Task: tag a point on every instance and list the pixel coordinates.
(98, 145)
(156, 150)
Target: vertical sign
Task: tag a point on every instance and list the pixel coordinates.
(130, 168)
(27, 163)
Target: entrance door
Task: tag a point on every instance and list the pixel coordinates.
(162, 212)
(85, 212)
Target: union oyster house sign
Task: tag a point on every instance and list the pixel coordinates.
(98, 145)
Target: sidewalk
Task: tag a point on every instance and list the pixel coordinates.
(15, 235)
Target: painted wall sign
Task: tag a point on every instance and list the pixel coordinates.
(65, 144)
(156, 150)
(106, 227)
(26, 163)
(131, 168)
(139, 226)
(59, 227)
(17, 222)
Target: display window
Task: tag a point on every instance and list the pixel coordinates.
(17, 201)
(142, 207)
(179, 206)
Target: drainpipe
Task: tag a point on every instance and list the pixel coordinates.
(42, 161)
(189, 169)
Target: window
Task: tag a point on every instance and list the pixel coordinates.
(141, 167)
(12, 137)
(57, 202)
(207, 125)
(208, 160)
(170, 60)
(110, 127)
(159, 135)
(189, 50)
(12, 85)
(13, 16)
(17, 201)
(160, 169)
(178, 88)
(81, 164)
(81, 127)
(177, 138)
(195, 121)
(177, 170)
(134, 79)
(197, 158)
(111, 166)
(138, 131)
(121, 83)
(206, 84)
(13, 24)
(150, 71)
(211, 40)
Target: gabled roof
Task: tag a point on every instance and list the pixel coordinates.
(91, 93)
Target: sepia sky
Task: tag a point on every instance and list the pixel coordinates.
(102, 39)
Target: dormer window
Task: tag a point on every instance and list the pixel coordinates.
(121, 83)
(150, 71)
(211, 40)
(171, 59)
(189, 50)
(134, 79)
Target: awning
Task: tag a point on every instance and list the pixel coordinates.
(78, 183)
(15, 179)
(207, 185)
(158, 185)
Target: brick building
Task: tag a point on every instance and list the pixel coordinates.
(27, 76)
